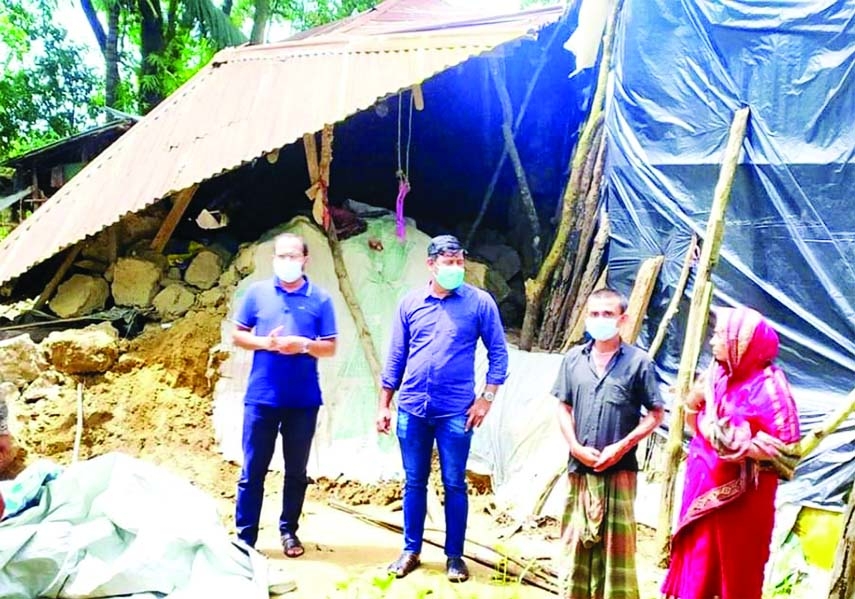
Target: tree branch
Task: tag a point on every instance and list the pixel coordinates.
(95, 24)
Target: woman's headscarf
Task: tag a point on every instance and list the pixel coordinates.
(751, 342)
(752, 401)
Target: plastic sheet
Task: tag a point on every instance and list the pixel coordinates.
(681, 70)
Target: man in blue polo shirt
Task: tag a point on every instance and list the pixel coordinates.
(288, 323)
(431, 364)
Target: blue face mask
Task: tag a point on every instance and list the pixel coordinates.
(449, 277)
(601, 329)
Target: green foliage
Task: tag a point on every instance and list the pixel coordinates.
(45, 87)
(303, 14)
(306, 15)
(47, 92)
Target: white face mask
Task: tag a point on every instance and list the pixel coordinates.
(601, 328)
(287, 270)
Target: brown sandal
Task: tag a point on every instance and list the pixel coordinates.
(292, 545)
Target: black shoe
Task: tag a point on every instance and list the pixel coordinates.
(406, 563)
(456, 569)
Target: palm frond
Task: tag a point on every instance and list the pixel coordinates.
(216, 24)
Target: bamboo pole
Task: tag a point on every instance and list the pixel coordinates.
(511, 149)
(534, 287)
(639, 299)
(698, 315)
(491, 187)
(674, 304)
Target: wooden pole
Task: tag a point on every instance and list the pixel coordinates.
(319, 170)
(491, 187)
(511, 149)
(698, 315)
(57, 277)
(180, 201)
(843, 570)
(534, 287)
(674, 303)
(112, 244)
(565, 281)
(639, 299)
(810, 441)
(369, 349)
(590, 281)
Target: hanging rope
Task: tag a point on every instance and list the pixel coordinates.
(403, 169)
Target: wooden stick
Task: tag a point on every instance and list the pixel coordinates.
(112, 244)
(590, 282)
(418, 97)
(674, 303)
(639, 299)
(311, 149)
(843, 570)
(180, 201)
(511, 149)
(78, 432)
(491, 187)
(539, 577)
(698, 315)
(810, 441)
(534, 287)
(345, 285)
(57, 277)
(565, 284)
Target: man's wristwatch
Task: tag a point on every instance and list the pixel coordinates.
(305, 348)
(488, 396)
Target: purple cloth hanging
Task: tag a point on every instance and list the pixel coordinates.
(400, 223)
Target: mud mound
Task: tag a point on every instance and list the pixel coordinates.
(180, 350)
(155, 406)
(354, 493)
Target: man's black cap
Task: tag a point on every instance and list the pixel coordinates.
(444, 244)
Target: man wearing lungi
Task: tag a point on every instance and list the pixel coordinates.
(602, 386)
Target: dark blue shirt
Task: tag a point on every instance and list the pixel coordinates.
(431, 358)
(607, 408)
(276, 379)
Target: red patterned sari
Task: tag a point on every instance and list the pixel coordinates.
(721, 544)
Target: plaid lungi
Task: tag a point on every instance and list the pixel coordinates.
(598, 536)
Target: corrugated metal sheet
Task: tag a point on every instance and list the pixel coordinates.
(251, 100)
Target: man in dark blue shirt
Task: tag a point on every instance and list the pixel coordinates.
(288, 323)
(603, 386)
(431, 364)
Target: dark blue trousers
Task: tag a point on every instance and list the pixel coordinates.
(261, 424)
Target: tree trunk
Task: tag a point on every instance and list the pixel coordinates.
(151, 47)
(94, 23)
(843, 571)
(111, 56)
(259, 21)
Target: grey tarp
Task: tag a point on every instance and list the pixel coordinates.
(117, 526)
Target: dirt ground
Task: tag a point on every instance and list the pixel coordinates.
(156, 404)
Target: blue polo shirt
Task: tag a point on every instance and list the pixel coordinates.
(276, 379)
(431, 360)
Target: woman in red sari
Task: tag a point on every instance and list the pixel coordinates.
(743, 417)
